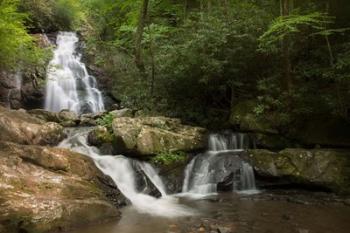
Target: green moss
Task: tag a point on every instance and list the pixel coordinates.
(168, 158)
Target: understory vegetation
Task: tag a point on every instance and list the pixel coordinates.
(199, 59)
(169, 158)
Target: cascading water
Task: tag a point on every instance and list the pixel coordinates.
(69, 86)
(221, 166)
(122, 171)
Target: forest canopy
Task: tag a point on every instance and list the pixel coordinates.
(201, 60)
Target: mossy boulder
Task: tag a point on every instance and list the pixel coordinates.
(243, 117)
(46, 189)
(327, 168)
(20, 127)
(171, 167)
(151, 135)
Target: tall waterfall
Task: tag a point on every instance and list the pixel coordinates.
(220, 166)
(123, 173)
(69, 86)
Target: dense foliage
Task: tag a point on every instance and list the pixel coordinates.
(199, 59)
(16, 45)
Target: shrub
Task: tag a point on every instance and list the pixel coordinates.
(168, 158)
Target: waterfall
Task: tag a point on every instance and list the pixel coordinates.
(228, 141)
(122, 171)
(69, 86)
(221, 166)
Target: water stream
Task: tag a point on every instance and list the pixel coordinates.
(69, 85)
(221, 163)
(202, 175)
(122, 170)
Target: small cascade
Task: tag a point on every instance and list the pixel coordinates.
(122, 171)
(221, 167)
(69, 85)
(229, 141)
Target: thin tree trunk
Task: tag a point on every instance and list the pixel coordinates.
(153, 65)
(139, 35)
(201, 6)
(209, 4)
(225, 7)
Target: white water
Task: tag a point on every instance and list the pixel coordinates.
(69, 86)
(228, 141)
(205, 171)
(154, 177)
(120, 169)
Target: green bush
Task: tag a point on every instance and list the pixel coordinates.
(106, 121)
(168, 158)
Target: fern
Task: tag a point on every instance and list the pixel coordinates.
(285, 26)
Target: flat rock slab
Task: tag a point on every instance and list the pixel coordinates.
(46, 189)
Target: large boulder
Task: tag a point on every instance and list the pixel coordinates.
(125, 112)
(244, 118)
(151, 135)
(10, 94)
(328, 168)
(21, 127)
(65, 118)
(46, 189)
(172, 170)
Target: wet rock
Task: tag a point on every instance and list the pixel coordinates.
(88, 120)
(151, 135)
(126, 112)
(65, 118)
(45, 115)
(68, 118)
(328, 168)
(50, 189)
(144, 184)
(21, 127)
(103, 139)
(224, 230)
(99, 136)
(286, 217)
(173, 175)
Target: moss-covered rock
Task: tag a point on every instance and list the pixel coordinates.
(151, 135)
(243, 117)
(328, 168)
(20, 127)
(46, 189)
(171, 167)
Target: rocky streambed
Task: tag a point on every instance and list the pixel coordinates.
(47, 189)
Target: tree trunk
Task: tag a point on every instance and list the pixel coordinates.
(225, 7)
(139, 35)
(185, 8)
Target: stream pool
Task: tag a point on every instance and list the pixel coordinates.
(267, 212)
